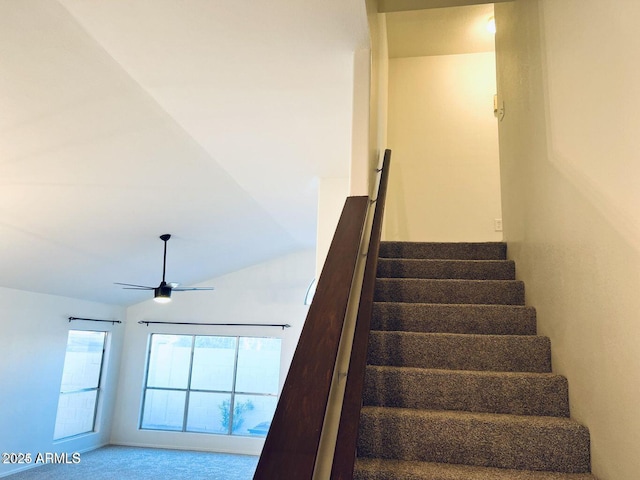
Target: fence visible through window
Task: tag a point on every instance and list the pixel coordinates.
(211, 384)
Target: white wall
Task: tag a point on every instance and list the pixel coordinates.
(445, 181)
(380, 98)
(360, 131)
(378, 91)
(33, 344)
(332, 194)
(270, 292)
(569, 148)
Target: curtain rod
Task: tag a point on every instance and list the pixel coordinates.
(281, 325)
(93, 320)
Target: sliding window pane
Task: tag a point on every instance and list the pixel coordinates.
(169, 361)
(209, 412)
(254, 415)
(80, 383)
(163, 410)
(76, 413)
(213, 363)
(211, 384)
(82, 361)
(258, 365)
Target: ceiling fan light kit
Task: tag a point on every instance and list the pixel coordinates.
(162, 293)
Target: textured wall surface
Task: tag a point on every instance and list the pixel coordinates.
(570, 202)
(444, 183)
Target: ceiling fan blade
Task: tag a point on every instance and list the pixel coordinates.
(137, 288)
(188, 289)
(134, 285)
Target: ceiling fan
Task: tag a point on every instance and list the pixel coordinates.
(162, 293)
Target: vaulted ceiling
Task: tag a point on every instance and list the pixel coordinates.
(210, 120)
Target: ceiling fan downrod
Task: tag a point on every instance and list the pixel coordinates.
(164, 238)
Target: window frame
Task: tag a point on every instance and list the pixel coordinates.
(98, 388)
(188, 390)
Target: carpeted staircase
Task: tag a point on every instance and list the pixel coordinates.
(458, 385)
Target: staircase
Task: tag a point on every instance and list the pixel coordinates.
(458, 385)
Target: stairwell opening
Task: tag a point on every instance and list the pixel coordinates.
(442, 126)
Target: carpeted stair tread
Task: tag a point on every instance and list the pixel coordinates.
(454, 318)
(504, 353)
(449, 269)
(516, 393)
(492, 292)
(383, 469)
(480, 439)
(458, 385)
(456, 251)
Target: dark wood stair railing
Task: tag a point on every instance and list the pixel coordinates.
(291, 447)
(346, 444)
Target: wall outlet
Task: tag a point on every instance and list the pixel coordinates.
(497, 224)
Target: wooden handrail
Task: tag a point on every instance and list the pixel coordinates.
(346, 444)
(290, 449)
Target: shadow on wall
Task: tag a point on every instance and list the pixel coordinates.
(396, 222)
(588, 142)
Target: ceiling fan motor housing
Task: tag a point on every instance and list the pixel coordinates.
(163, 290)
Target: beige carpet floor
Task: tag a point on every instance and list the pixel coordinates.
(130, 463)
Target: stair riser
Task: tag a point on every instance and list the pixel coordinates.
(454, 251)
(460, 352)
(375, 469)
(474, 440)
(447, 269)
(488, 292)
(466, 391)
(474, 319)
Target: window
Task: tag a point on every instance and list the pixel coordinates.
(77, 405)
(211, 384)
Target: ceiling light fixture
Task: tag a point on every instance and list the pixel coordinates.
(491, 25)
(162, 294)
